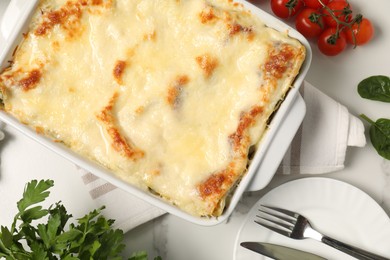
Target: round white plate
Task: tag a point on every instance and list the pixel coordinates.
(335, 208)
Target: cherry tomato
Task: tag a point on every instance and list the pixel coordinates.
(286, 8)
(315, 4)
(309, 22)
(328, 48)
(363, 32)
(341, 9)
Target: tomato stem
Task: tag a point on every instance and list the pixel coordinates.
(291, 4)
(315, 18)
(340, 25)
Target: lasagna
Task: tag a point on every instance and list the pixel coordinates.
(168, 95)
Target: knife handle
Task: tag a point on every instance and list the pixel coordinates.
(351, 250)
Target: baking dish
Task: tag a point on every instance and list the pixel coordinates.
(16, 29)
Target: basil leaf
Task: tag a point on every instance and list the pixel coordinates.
(375, 88)
(380, 137)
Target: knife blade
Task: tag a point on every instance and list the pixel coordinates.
(280, 252)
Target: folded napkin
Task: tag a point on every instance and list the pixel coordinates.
(319, 147)
(127, 210)
(321, 142)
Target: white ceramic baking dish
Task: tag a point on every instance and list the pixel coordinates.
(273, 146)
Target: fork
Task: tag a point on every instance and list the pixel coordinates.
(296, 226)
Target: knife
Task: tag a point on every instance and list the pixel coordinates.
(280, 252)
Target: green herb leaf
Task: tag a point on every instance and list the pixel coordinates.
(6, 237)
(38, 252)
(33, 213)
(28, 233)
(142, 255)
(111, 244)
(380, 135)
(34, 193)
(375, 88)
(68, 236)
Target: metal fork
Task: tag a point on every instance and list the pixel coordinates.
(296, 226)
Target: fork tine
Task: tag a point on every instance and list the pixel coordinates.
(285, 211)
(289, 220)
(277, 230)
(289, 226)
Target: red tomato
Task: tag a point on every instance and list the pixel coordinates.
(363, 32)
(341, 9)
(309, 22)
(328, 47)
(286, 8)
(315, 4)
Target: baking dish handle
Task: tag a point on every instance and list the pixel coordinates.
(279, 145)
(13, 15)
(13, 18)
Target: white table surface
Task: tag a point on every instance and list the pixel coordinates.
(172, 238)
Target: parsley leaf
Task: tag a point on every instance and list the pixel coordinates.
(34, 193)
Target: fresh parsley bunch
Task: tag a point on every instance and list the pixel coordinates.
(91, 238)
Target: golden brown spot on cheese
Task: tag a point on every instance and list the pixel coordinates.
(31, 81)
(156, 172)
(182, 80)
(96, 7)
(119, 142)
(118, 70)
(121, 145)
(212, 185)
(67, 17)
(175, 89)
(217, 184)
(279, 60)
(150, 36)
(140, 110)
(207, 15)
(39, 130)
(246, 121)
(55, 45)
(227, 17)
(97, 2)
(173, 93)
(236, 28)
(207, 63)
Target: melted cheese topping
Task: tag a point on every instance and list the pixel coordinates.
(167, 94)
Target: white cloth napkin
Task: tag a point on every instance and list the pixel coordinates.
(127, 210)
(321, 142)
(319, 147)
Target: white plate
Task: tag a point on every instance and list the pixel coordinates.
(338, 209)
